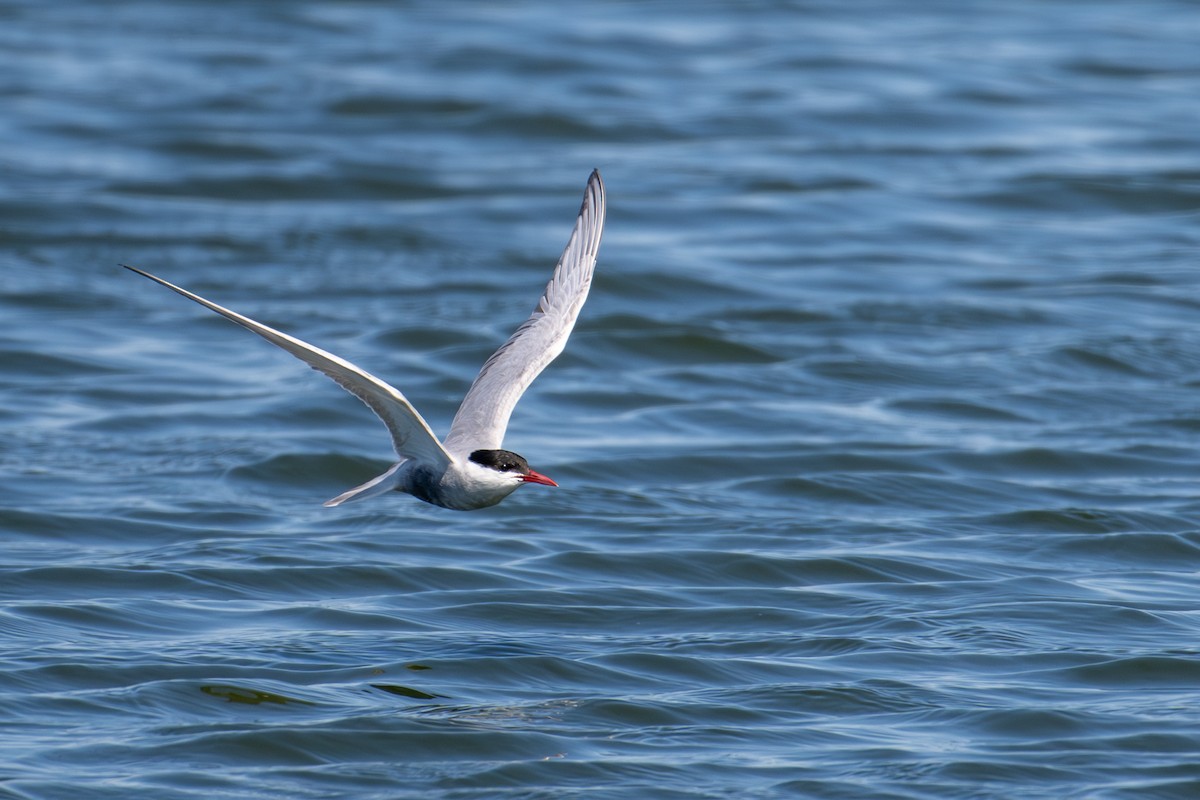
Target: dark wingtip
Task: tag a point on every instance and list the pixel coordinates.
(594, 182)
(145, 274)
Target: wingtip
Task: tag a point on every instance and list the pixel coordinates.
(595, 189)
(135, 269)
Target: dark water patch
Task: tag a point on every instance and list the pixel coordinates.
(942, 314)
(24, 366)
(1126, 279)
(819, 490)
(405, 691)
(246, 696)
(704, 568)
(682, 347)
(611, 402)
(629, 714)
(1143, 547)
(943, 408)
(1095, 619)
(85, 529)
(985, 639)
(681, 671)
(363, 580)
(510, 676)
(1153, 357)
(423, 338)
(804, 643)
(1092, 359)
(1079, 520)
(304, 473)
(652, 295)
(1094, 193)
(541, 125)
(274, 187)
(363, 741)
(863, 370)
(581, 775)
(1174, 673)
(231, 148)
(93, 616)
(29, 300)
(389, 105)
(884, 490)
(998, 284)
(1113, 68)
(84, 581)
(779, 316)
(517, 616)
(1028, 462)
(1168, 789)
(779, 184)
(1023, 724)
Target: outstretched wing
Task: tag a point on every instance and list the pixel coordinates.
(483, 416)
(411, 435)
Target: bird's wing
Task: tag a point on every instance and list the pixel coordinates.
(483, 416)
(411, 434)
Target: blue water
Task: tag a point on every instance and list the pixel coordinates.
(878, 439)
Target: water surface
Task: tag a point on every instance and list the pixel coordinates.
(877, 439)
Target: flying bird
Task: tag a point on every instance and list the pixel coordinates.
(470, 469)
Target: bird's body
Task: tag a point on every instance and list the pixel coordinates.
(463, 484)
(469, 470)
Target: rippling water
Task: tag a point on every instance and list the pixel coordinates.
(878, 438)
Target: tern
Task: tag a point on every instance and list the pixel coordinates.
(470, 469)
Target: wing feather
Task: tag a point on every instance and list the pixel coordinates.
(483, 416)
(411, 434)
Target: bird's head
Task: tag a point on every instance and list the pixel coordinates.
(507, 462)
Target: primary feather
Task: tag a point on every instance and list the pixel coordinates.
(411, 434)
(483, 416)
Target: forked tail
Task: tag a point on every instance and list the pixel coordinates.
(386, 482)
